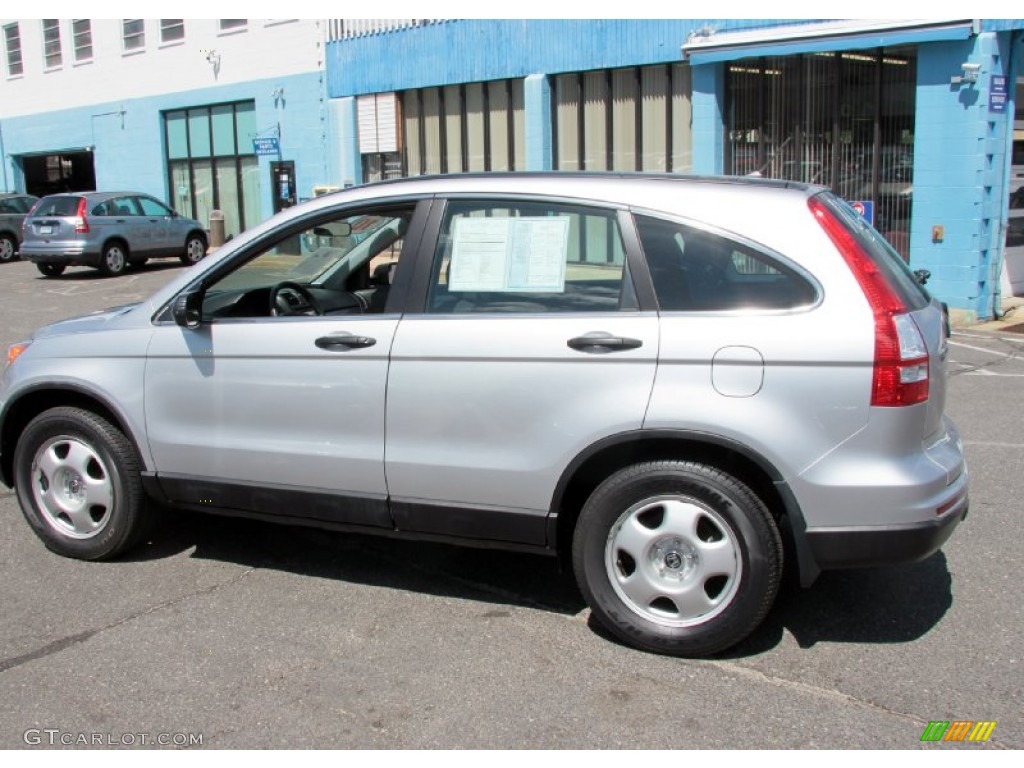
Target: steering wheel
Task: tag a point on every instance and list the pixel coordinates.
(288, 298)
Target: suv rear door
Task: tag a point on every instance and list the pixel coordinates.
(528, 344)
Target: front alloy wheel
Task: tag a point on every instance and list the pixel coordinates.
(79, 485)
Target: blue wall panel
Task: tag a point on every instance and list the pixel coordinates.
(959, 167)
(129, 150)
(470, 50)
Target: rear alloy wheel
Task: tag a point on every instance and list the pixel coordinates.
(79, 485)
(50, 270)
(114, 260)
(195, 250)
(677, 557)
(8, 247)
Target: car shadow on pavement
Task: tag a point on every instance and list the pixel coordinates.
(488, 575)
(896, 604)
(88, 273)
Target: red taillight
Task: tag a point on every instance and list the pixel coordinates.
(901, 356)
(82, 225)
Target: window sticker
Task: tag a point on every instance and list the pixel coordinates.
(524, 254)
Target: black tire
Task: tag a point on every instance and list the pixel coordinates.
(78, 482)
(195, 250)
(114, 259)
(50, 270)
(8, 247)
(677, 557)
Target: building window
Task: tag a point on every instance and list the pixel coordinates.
(133, 33)
(211, 163)
(227, 25)
(457, 128)
(171, 30)
(12, 42)
(81, 30)
(51, 43)
(632, 119)
(843, 120)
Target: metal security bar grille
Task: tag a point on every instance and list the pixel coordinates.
(631, 119)
(843, 120)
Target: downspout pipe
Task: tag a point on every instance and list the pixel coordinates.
(1016, 38)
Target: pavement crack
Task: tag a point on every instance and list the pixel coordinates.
(72, 640)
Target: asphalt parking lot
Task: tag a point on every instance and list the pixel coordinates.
(250, 635)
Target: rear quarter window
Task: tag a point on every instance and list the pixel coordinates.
(695, 270)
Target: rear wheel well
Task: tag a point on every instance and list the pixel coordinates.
(32, 404)
(600, 466)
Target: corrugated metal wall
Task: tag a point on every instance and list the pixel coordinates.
(473, 50)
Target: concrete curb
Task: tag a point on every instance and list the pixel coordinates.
(1013, 314)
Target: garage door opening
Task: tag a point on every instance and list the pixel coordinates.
(59, 172)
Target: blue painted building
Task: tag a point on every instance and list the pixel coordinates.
(915, 120)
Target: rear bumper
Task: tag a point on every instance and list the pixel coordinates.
(70, 256)
(875, 545)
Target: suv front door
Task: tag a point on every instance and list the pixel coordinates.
(275, 403)
(529, 345)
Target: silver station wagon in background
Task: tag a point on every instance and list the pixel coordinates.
(681, 386)
(107, 230)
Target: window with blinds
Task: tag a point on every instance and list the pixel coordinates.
(461, 128)
(631, 119)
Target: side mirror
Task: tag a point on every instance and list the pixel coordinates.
(188, 310)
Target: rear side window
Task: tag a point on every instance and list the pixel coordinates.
(526, 257)
(897, 274)
(694, 270)
(60, 205)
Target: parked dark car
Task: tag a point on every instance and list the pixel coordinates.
(107, 230)
(13, 208)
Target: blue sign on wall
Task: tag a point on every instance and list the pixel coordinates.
(865, 208)
(266, 146)
(997, 95)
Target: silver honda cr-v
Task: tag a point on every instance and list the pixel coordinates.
(669, 381)
(107, 230)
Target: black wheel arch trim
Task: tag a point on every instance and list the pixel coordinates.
(73, 387)
(792, 518)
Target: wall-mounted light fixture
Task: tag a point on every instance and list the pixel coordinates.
(213, 57)
(972, 72)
